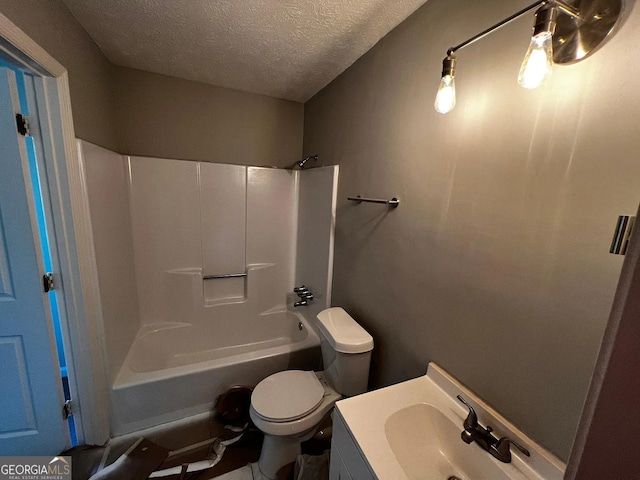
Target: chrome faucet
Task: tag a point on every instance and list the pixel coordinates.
(474, 432)
(306, 297)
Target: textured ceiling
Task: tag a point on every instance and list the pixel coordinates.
(282, 48)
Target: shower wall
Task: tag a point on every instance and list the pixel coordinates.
(106, 179)
(196, 220)
(161, 227)
(316, 221)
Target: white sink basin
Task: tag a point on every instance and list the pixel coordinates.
(411, 431)
(427, 445)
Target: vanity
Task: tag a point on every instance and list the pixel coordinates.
(414, 430)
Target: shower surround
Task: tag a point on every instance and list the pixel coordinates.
(195, 263)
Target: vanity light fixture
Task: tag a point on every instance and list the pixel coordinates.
(562, 34)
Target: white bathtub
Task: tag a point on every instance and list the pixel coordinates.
(175, 370)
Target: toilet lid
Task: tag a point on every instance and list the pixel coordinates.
(287, 396)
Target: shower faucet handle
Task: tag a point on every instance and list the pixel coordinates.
(306, 297)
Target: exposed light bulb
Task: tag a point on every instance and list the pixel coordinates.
(538, 61)
(446, 96)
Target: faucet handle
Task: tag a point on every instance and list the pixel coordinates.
(471, 421)
(502, 452)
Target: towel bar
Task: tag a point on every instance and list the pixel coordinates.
(394, 202)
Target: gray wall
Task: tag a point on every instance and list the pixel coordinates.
(161, 116)
(495, 265)
(51, 25)
(141, 113)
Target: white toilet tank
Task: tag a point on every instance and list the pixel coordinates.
(346, 351)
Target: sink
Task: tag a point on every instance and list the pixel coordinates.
(427, 445)
(411, 430)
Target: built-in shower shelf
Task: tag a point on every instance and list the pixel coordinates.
(224, 275)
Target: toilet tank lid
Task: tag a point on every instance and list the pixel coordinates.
(343, 332)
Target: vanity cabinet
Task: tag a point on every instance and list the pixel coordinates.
(412, 430)
(347, 462)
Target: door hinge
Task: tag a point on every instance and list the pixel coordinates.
(67, 409)
(22, 123)
(47, 282)
(621, 235)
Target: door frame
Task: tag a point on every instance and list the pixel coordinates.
(74, 238)
(606, 442)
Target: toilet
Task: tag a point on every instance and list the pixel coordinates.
(288, 406)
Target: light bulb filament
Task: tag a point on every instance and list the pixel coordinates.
(538, 61)
(446, 96)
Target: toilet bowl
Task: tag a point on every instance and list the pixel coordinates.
(309, 398)
(288, 406)
(286, 421)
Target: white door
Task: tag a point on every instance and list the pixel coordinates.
(31, 421)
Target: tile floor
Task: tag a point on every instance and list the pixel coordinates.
(238, 460)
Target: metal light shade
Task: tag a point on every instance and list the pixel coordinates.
(577, 38)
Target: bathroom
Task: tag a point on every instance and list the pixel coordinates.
(495, 265)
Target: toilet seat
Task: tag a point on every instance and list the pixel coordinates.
(287, 396)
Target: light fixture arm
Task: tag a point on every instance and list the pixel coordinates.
(568, 9)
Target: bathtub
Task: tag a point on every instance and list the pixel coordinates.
(176, 370)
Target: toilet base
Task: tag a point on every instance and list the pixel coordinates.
(279, 451)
